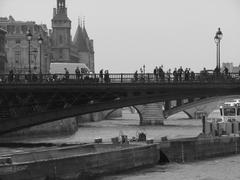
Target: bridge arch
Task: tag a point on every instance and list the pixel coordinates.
(207, 105)
(58, 100)
(188, 114)
(137, 108)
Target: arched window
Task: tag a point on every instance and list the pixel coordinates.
(17, 56)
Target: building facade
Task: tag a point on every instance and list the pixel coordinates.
(80, 50)
(17, 46)
(57, 46)
(3, 58)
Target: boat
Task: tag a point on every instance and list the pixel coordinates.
(230, 111)
(229, 121)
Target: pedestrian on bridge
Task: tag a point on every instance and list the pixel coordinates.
(77, 72)
(226, 73)
(186, 74)
(169, 75)
(136, 76)
(161, 73)
(106, 76)
(101, 76)
(192, 76)
(180, 71)
(175, 75)
(155, 73)
(66, 76)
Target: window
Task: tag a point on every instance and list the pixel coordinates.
(18, 41)
(229, 111)
(17, 56)
(24, 29)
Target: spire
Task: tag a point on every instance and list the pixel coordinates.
(84, 21)
(79, 40)
(79, 21)
(85, 34)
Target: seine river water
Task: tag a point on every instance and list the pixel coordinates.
(177, 126)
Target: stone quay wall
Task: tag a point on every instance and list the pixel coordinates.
(64, 126)
(193, 149)
(83, 166)
(99, 159)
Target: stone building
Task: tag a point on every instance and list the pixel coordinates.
(80, 50)
(3, 58)
(231, 67)
(17, 46)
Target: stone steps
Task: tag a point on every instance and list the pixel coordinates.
(152, 114)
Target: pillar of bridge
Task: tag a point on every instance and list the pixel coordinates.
(167, 105)
(152, 114)
(179, 102)
(190, 100)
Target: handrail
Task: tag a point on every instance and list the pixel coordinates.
(118, 78)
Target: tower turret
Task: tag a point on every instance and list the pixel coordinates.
(61, 37)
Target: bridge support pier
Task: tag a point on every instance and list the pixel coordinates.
(151, 114)
(179, 102)
(167, 105)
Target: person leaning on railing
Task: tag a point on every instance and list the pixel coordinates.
(106, 77)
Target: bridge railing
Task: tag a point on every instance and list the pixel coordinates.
(117, 78)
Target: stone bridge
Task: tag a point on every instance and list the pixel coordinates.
(25, 104)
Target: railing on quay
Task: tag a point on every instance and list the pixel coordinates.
(117, 78)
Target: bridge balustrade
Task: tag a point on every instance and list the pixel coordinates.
(115, 78)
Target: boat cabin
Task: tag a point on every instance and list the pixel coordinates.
(230, 111)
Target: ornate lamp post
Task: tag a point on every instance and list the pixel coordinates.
(40, 41)
(217, 39)
(29, 38)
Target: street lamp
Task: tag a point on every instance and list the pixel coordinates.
(40, 41)
(217, 39)
(29, 38)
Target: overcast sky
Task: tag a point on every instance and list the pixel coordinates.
(130, 33)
